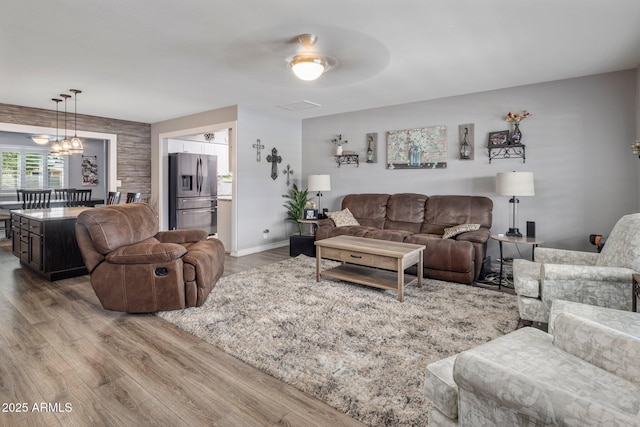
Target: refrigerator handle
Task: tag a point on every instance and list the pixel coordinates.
(198, 175)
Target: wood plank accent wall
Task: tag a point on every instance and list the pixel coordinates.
(134, 141)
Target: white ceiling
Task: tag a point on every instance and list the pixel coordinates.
(149, 60)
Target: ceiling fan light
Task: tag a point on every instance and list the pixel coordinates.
(40, 139)
(308, 67)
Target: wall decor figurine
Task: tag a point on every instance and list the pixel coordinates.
(274, 159)
(466, 134)
(258, 148)
(420, 148)
(338, 142)
(372, 148)
(288, 171)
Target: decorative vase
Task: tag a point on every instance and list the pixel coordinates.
(516, 136)
(414, 155)
(339, 150)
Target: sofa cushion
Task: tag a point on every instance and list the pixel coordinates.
(113, 226)
(405, 212)
(350, 230)
(608, 348)
(453, 210)
(369, 209)
(526, 277)
(450, 232)
(343, 218)
(391, 235)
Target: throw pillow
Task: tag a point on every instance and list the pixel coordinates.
(343, 218)
(459, 229)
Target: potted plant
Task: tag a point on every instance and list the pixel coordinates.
(338, 142)
(296, 202)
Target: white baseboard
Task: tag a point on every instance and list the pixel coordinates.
(260, 248)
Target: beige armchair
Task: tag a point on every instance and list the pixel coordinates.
(583, 373)
(602, 279)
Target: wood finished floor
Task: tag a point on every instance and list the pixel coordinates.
(92, 367)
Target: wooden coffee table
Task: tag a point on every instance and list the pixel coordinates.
(371, 262)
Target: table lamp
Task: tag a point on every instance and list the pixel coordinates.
(514, 184)
(319, 183)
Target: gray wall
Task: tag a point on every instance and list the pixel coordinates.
(259, 198)
(577, 146)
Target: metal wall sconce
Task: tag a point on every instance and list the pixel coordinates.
(635, 148)
(372, 148)
(466, 141)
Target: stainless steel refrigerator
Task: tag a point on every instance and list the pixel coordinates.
(193, 188)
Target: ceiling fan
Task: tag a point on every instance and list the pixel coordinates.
(308, 64)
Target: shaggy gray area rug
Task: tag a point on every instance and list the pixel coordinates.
(354, 347)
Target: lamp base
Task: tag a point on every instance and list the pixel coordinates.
(515, 232)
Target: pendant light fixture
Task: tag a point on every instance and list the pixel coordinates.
(66, 144)
(76, 144)
(56, 146)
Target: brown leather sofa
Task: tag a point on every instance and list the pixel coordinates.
(416, 218)
(137, 269)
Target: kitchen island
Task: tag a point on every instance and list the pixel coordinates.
(45, 241)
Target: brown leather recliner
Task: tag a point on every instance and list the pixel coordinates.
(137, 269)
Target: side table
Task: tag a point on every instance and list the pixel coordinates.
(501, 238)
(304, 243)
(636, 292)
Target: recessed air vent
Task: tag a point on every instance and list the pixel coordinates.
(300, 105)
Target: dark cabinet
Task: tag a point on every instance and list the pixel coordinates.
(48, 246)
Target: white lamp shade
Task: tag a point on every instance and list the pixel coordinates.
(319, 183)
(515, 184)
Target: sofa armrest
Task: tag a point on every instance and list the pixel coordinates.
(608, 348)
(586, 272)
(181, 236)
(564, 256)
(146, 253)
(477, 236)
(326, 222)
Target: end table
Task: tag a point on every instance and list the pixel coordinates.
(534, 242)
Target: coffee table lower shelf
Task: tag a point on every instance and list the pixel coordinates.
(383, 279)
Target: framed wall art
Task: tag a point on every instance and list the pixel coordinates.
(90, 170)
(420, 148)
(498, 138)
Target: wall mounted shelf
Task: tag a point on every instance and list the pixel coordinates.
(507, 151)
(348, 159)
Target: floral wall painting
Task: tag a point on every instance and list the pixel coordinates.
(465, 133)
(420, 148)
(89, 170)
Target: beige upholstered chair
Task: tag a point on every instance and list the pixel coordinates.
(602, 279)
(583, 373)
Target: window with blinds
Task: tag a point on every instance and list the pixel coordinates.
(31, 169)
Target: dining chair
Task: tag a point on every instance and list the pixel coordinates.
(78, 198)
(19, 194)
(134, 197)
(62, 193)
(36, 199)
(113, 198)
(5, 222)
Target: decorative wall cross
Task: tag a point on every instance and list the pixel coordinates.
(288, 171)
(258, 147)
(274, 159)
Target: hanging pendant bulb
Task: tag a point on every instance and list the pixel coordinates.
(56, 146)
(65, 144)
(76, 144)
